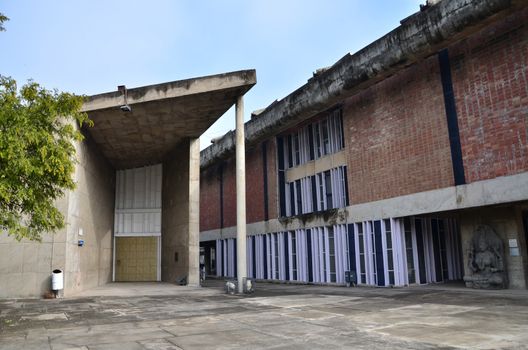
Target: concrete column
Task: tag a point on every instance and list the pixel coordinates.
(180, 214)
(194, 212)
(241, 193)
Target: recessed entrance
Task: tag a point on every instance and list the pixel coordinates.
(152, 133)
(138, 224)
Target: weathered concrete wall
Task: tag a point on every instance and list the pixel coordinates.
(490, 78)
(90, 212)
(180, 214)
(25, 267)
(507, 223)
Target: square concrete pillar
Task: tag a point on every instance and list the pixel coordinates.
(180, 214)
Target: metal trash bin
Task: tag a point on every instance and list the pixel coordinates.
(350, 278)
(57, 281)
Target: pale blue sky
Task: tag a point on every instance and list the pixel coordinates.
(90, 47)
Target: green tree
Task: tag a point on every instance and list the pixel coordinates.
(37, 156)
(2, 20)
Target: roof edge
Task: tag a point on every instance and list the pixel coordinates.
(172, 89)
(418, 36)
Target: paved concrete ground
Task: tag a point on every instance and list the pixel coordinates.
(164, 316)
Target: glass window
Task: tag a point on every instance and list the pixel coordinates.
(328, 185)
(373, 253)
(390, 257)
(411, 273)
(276, 257)
(296, 150)
(298, 197)
(317, 139)
(322, 195)
(325, 137)
(331, 253)
(212, 260)
(361, 245)
(294, 256)
(301, 198)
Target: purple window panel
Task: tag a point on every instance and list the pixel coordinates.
(326, 256)
(322, 274)
(218, 258)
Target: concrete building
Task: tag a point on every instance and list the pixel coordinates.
(134, 214)
(405, 162)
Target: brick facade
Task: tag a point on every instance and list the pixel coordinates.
(396, 136)
(229, 202)
(273, 191)
(454, 115)
(210, 183)
(254, 185)
(490, 78)
(210, 198)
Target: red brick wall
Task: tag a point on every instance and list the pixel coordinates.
(209, 199)
(396, 136)
(229, 193)
(254, 185)
(210, 190)
(490, 79)
(273, 192)
(254, 188)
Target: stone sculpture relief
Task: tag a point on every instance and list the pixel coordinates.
(485, 260)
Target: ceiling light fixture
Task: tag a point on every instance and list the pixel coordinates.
(125, 107)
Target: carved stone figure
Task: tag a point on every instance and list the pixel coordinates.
(486, 260)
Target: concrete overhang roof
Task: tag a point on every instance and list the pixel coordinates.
(161, 115)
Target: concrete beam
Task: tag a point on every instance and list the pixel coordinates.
(501, 190)
(419, 36)
(179, 88)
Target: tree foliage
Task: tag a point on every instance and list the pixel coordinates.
(3, 19)
(37, 156)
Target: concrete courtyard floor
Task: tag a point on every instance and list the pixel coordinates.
(278, 316)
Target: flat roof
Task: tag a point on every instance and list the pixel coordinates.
(161, 115)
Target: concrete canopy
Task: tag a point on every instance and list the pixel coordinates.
(161, 115)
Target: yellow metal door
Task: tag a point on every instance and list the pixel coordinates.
(136, 259)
